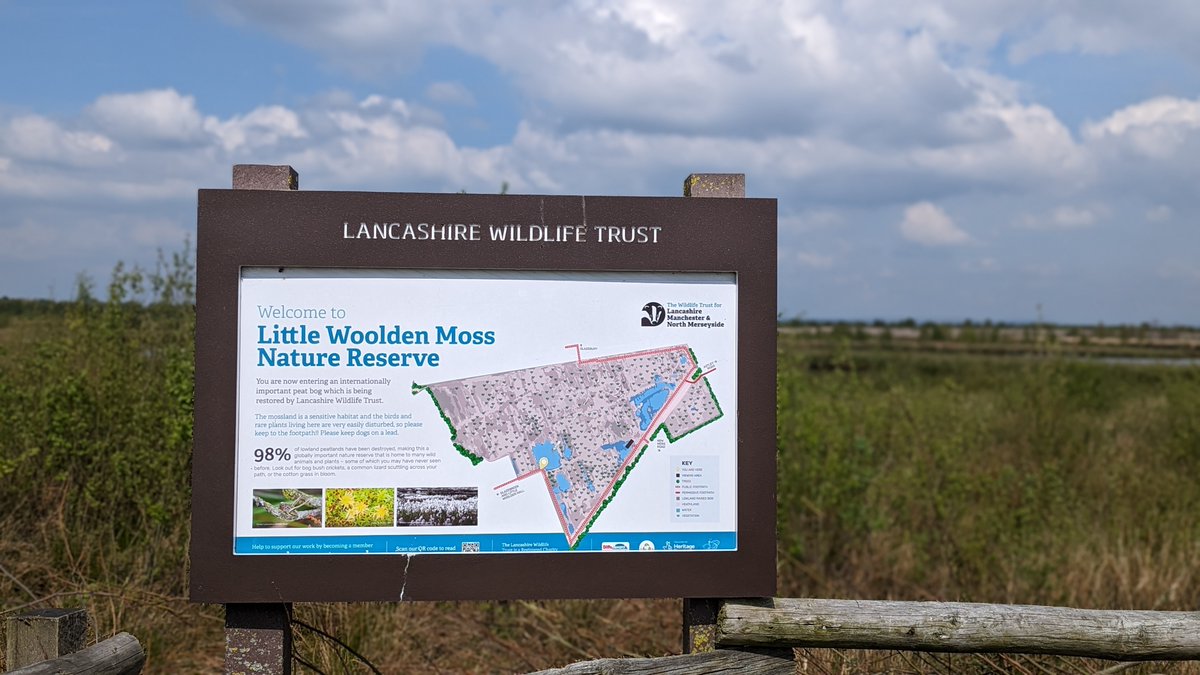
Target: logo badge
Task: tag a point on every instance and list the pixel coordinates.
(654, 314)
(646, 546)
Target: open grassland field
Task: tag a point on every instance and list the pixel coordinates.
(902, 475)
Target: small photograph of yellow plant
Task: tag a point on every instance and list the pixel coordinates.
(359, 507)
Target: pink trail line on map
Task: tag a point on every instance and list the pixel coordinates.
(605, 359)
(666, 408)
(650, 429)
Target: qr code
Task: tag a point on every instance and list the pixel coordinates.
(470, 547)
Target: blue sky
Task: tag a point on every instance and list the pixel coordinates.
(932, 159)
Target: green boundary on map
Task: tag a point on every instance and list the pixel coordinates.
(616, 486)
(720, 413)
(671, 438)
(462, 450)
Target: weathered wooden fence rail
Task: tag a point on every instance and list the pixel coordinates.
(120, 654)
(50, 642)
(749, 634)
(1135, 635)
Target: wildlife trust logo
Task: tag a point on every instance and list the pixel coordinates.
(684, 314)
(654, 314)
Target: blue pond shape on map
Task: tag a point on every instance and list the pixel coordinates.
(620, 447)
(566, 451)
(682, 360)
(561, 484)
(546, 450)
(650, 401)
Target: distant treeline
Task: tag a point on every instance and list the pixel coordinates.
(17, 307)
(1147, 334)
(797, 322)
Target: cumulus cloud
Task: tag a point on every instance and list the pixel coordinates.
(821, 96)
(849, 111)
(156, 116)
(927, 224)
(1156, 128)
(38, 139)
(1107, 27)
(753, 68)
(261, 127)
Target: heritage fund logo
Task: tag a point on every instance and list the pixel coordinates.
(684, 314)
(654, 314)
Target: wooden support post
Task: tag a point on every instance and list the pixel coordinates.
(265, 177)
(700, 624)
(44, 634)
(731, 185)
(700, 614)
(258, 637)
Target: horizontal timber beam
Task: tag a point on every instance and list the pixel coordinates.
(1134, 635)
(719, 662)
(121, 654)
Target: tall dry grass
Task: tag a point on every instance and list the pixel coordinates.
(901, 476)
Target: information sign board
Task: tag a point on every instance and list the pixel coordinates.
(409, 396)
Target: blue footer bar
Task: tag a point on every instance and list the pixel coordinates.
(486, 543)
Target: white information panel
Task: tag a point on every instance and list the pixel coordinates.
(387, 411)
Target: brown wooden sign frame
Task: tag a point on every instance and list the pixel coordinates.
(290, 229)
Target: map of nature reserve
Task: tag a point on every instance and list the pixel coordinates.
(580, 425)
(431, 411)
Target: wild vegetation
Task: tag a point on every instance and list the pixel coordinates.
(903, 474)
(437, 506)
(359, 507)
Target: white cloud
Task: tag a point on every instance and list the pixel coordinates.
(261, 127)
(154, 116)
(927, 224)
(753, 68)
(1106, 27)
(1156, 128)
(35, 138)
(847, 110)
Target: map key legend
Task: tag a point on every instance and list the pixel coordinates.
(695, 488)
